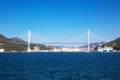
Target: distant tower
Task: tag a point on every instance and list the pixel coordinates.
(88, 40)
(29, 35)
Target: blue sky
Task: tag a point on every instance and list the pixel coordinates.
(60, 19)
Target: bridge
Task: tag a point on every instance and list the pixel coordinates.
(87, 38)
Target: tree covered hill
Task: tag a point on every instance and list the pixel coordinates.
(115, 44)
(17, 44)
(7, 45)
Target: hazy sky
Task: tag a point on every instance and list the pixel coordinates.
(60, 19)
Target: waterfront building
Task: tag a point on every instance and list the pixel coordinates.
(71, 50)
(105, 49)
(36, 48)
(1, 50)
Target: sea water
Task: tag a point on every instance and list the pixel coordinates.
(59, 66)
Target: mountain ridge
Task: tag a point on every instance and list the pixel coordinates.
(17, 44)
(7, 45)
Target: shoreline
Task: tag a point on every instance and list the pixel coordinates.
(57, 52)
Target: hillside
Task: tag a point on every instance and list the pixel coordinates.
(25, 44)
(93, 45)
(17, 40)
(8, 45)
(115, 44)
(17, 44)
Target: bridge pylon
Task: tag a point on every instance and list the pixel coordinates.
(29, 36)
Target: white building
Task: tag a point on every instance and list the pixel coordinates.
(1, 50)
(71, 49)
(105, 49)
(56, 50)
(36, 48)
(65, 49)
